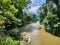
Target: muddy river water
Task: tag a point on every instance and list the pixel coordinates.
(40, 36)
(33, 30)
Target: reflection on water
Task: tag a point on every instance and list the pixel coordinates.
(23, 43)
(40, 37)
(34, 39)
(32, 29)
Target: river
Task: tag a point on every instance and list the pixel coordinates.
(40, 36)
(33, 30)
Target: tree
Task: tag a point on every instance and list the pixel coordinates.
(11, 15)
(49, 17)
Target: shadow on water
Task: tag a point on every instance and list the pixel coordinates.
(41, 37)
(32, 29)
(28, 28)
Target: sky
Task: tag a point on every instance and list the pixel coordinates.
(35, 5)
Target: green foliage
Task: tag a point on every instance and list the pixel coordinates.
(32, 18)
(28, 18)
(14, 33)
(8, 12)
(20, 3)
(8, 41)
(12, 17)
(49, 17)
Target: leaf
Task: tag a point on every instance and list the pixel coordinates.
(5, 1)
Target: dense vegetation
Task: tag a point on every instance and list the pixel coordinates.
(12, 16)
(50, 16)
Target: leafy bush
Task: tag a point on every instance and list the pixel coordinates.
(14, 33)
(8, 41)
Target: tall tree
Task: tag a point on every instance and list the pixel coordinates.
(50, 17)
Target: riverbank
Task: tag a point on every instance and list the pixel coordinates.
(47, 38)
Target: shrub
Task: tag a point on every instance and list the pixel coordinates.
(8, 41)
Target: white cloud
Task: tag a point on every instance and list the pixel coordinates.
(35, 5)
(34, 9)
(32, 0)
